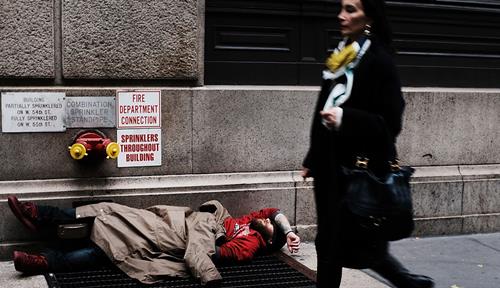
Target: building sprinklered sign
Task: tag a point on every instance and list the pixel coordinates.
(33, 112)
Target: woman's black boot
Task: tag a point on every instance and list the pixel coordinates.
(391, 269)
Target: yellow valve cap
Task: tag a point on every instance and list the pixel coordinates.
(112, 150)
(77, 151)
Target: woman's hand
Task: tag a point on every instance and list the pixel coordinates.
(332, 117)
(292, 242)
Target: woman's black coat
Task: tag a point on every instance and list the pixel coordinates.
(372, 119)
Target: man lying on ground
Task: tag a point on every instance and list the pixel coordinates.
(158, 242)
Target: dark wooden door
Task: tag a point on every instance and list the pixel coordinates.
(440, 43)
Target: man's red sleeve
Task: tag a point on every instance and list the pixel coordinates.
(240, 249)
(263, 213)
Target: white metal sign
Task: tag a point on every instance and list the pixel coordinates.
(139, 147)
(138, 109)
(33, 112)
(90, 112)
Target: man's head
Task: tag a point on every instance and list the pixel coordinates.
(270, 231)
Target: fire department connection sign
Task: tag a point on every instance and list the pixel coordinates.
(139, 147)
(138, 109)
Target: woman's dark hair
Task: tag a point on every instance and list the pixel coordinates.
(375, 10)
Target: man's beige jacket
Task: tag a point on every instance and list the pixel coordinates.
(158, 242)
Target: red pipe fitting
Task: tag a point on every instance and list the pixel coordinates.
(94, 144)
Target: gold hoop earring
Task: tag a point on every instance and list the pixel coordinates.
(367, 30)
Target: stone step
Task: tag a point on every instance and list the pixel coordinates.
(447, 199)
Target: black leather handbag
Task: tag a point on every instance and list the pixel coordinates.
(379, 206)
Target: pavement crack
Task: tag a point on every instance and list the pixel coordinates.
(484, 244)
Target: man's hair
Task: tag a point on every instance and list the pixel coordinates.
(261, 228)
(277, 238)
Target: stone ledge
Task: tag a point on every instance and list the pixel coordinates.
(436, 174)
(45, 189)
(40, 189)
(474, 172)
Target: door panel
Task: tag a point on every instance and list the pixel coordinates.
(439, 42)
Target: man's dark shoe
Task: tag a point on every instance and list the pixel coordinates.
(30, 263)
(26, 212)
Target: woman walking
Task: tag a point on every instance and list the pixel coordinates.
(360, 104)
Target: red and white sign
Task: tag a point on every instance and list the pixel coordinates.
(138, 109)
(139, 147)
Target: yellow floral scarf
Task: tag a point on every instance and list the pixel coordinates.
(341, 64)
(341, 58)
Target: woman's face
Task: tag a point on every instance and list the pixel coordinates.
(352, 19)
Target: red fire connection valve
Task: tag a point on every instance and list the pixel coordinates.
(93, 144)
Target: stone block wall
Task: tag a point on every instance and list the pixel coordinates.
(225, 129)
(220, 133)
(234, 143)
(450, 126)
(27, 42)
(112, 40)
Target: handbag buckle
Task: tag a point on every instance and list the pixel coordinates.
(362, 162)
(377, 221)
(395, 165)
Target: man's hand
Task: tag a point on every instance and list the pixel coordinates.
(305, 173)
(292, 242)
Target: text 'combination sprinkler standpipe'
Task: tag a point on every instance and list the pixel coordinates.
(93, 144)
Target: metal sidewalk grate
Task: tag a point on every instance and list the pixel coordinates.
(273, 271)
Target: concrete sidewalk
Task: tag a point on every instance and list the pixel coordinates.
(469, 261)
(466, 261)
